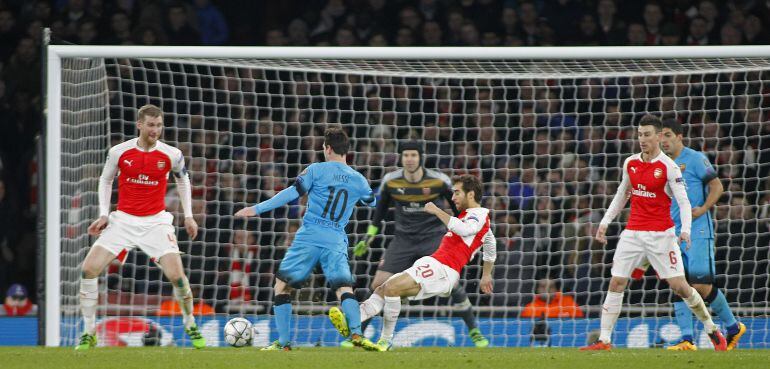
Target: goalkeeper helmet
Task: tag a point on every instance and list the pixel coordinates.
(409, 145)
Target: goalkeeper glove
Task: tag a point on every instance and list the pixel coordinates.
(363, 246)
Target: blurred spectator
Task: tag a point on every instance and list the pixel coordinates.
(17, 302)
(178, 28)
(409, 18)
(454, 23)
(730, 35)
(562, 15)
(753, 32)
(9, 33)
(670, 35)
(470, 34)
(653, 18)
(528, 23)
(120, 30)
(87, 34)
(73, 13)
(432, 34)
(698, 34)
(297, 33)
(211, 23)
(345, 37)
(707, 10)
(509, 21)
(405, 37)
(149, 36)
(550, 303)
(611, 28)
(587, 31)
(275, 37)
(522, 188)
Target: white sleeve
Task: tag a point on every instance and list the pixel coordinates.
(676, 187)
(105, 182)
(489, 247)
(183, 186)
(469, 226)
(620, 199)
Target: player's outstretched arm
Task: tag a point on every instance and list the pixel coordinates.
(184, 189)
(282, 198)
(447, 194)
(675, 183)
(431, 208)
(489, 255)
(617, 204)
(362, 247)
(105, 193)
(715, 192)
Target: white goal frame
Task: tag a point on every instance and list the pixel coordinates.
(55, 53)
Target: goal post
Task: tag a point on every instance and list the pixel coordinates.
(553, 121)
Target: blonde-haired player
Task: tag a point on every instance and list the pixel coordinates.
(142, 165)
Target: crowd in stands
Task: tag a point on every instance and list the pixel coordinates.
(549, 162)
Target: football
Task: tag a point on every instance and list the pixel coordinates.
(238, 332)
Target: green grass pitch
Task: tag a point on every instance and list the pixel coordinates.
(407, 358)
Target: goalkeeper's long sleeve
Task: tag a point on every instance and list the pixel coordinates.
(282, 198)
(382, 208)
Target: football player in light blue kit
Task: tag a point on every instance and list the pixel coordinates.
(333, 190)
(703, 189)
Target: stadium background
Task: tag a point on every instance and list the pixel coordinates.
(512, 133)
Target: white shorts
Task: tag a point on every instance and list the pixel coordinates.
(153, 234)
(434, 278)
(661, 249)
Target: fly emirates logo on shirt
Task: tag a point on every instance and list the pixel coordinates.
(642, 191)
(142, 179)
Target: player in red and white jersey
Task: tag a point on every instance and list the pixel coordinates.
(435, 275)
(651, 179)
(142, 166)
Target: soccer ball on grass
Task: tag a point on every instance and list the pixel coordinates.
(238, 332)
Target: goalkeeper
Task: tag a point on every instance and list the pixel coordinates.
(417, 233)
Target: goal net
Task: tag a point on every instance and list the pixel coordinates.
(546, 135)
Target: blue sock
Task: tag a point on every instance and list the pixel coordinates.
(719, 305)
(282, 310)
(352, 313)
(684, 320)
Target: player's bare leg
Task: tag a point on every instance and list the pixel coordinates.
(610, 313)
(172, 268)
(97, 259)
(393, 290)
(379, 278)
(718, 303)
(698, 307)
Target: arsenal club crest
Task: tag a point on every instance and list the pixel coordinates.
(657, 173)
(161, 164)
(426, 191)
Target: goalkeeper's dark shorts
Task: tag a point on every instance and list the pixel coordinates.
(404, 250)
